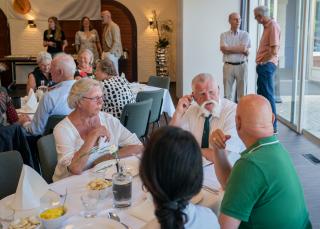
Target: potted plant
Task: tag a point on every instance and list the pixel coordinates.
(164, 28)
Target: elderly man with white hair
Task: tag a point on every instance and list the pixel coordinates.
(53, 102)
(40, 76)
(111, 39)
(267, 57)
(208, 114)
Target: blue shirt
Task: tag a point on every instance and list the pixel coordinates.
(52, 103)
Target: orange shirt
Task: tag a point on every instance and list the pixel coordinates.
(270, 37)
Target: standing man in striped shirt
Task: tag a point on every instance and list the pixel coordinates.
(235, 44)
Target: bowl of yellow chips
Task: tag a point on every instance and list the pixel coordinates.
(53, 218)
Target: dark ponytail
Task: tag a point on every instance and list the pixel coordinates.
(171, 170)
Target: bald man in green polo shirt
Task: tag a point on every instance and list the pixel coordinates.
(262, 190)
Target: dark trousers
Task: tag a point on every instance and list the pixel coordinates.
(265, 86)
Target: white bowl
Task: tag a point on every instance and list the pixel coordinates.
(53, 223)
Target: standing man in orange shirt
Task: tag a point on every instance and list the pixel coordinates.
(267, 56)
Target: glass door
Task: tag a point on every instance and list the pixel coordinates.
(311, 114)
(287, 14)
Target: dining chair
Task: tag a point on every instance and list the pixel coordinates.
(135, 117)
(11, 164)
(47, 156)
(159, 81)
(53, 120)
(157, 101)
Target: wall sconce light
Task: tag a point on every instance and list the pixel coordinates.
(153, 20)
(31, 24)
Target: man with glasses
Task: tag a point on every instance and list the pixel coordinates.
(53, 102)
(267, 56)
(235, 44)
(208, 114)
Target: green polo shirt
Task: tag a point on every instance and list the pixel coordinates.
(264, 191)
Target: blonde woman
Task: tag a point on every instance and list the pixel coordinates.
(54, 38)
(82, 129)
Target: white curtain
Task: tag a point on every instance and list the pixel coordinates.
(62, 9)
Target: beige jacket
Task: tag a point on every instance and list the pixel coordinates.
(111, 39)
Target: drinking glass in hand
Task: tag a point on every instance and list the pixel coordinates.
(89, 200)
(122, 189)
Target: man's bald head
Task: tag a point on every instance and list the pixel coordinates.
(254, 117)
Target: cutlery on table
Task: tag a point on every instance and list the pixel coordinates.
(115, 217)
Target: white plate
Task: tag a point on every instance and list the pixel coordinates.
(102, 167)
(131, 163)
(96, 223)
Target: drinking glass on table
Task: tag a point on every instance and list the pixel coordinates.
(89, 201)
(122, 188)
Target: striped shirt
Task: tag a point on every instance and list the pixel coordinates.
(230, 39)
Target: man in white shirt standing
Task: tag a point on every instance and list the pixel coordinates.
(111, 39)
(209, 114)
(235, 44)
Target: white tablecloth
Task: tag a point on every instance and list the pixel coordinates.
(167, 105)
(77, 185)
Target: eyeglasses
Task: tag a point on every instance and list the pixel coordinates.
(95, 99)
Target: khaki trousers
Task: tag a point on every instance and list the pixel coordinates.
(232, 73)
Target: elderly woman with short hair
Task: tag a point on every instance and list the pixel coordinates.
(85, 62)
(41, 73)
(116, 90)
(79, 132)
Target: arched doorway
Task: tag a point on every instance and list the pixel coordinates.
(5, 47)
(128, 28)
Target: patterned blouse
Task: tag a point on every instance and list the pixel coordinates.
(8, 114)
(116, 94)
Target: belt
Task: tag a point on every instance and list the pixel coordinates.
(234, 63)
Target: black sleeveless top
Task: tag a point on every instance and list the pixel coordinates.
(39, 76)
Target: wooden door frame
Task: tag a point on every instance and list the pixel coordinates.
(133, 35)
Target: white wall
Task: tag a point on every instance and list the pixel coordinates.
(202, 23)
(26, 41)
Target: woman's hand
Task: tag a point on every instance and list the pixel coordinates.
(100, 131)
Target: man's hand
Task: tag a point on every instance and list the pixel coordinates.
(182, 106)
(23, 118)
(208, 154)
(218, 139)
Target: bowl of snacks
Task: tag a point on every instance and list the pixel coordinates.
(30, 222)
(101, 186)
(53, 218)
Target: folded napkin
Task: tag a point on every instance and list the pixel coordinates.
(31, 188)
(144, 210)
(32, 100)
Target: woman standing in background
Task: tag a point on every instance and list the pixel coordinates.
(88, 38)
(54, 37)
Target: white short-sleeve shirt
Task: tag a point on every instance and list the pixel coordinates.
(68, 141)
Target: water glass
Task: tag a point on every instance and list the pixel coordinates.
(122, 189)
(90, 200)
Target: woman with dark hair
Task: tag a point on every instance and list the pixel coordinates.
(54, 37)
(116, 90)
(88, 38)
(171, 170)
